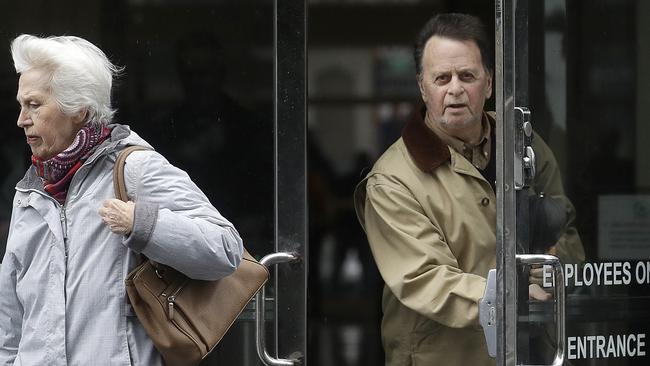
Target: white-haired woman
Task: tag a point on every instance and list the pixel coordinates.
(71, 244)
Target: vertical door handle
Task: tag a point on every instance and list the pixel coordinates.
(524, 154)
(558, 276)
(530, 163)
(260, 310)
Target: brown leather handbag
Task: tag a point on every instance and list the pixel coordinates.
(186, 318)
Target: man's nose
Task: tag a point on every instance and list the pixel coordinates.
(455, 86)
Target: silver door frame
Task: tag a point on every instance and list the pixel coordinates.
(506, 196)
(290, 188)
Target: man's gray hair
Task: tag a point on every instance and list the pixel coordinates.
(80, 74)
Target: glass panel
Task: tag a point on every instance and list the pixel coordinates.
(199, 86)
(582, 72)
(291, 177)
(362, 92)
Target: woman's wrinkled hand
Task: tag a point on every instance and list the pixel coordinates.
(118, 215)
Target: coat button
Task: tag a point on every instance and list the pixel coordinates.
(485, 201)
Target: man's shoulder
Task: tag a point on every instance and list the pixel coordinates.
(391, 171)
(394, 170)
(395, 160)
(391, 167)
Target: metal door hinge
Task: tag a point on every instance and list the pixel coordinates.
(488, 313)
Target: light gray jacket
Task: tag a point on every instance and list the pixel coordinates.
(62, 295)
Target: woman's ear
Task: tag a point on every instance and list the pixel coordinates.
(80, 117)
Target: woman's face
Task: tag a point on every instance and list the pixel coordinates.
(48, 131)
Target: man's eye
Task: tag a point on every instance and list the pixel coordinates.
(442, 79)
(467, 76)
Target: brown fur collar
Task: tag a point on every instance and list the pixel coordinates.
(425, 147)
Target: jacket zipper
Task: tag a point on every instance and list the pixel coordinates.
(64, 227)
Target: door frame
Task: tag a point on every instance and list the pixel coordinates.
(506, 230)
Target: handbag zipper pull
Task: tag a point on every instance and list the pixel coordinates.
(170, 306)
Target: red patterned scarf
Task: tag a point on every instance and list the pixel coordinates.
(58, 171)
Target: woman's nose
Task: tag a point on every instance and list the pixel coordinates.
(24, 119)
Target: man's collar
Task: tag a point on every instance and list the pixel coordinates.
(425, 147)
(453, 141)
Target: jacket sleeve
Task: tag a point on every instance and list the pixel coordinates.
(175, 223)
(11, 312)
(413, 259)
(548, 180)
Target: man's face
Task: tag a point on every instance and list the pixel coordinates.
(454, 84)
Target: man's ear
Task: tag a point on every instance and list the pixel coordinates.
(488, 91)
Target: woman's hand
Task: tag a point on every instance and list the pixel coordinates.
(118, 215)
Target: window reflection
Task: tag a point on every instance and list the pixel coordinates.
(586, 95)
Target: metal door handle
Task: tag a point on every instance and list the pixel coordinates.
(530, 162)
(558, 275)
(260, 334)
(524, 161)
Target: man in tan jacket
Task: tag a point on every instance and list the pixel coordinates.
(429, 206)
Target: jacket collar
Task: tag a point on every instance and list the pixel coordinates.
(427, 150)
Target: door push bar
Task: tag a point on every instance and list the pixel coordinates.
(260, 311)
(487, 305)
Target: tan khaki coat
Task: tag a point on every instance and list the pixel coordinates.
(430, 218)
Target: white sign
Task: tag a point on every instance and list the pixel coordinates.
(624, 226)
(600, 274)
(601, 346)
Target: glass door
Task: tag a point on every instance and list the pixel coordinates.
(574, 211)
(218, 88)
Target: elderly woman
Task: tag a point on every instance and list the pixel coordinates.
(71, 244)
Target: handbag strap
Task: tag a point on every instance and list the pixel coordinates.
(118, 171)
(119, 185)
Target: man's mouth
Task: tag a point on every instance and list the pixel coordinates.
(455, 106)
(31, 139)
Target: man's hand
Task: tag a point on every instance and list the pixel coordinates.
(536, 289)
(118, 215)
(536, 292)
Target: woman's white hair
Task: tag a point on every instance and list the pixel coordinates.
(80, 74)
